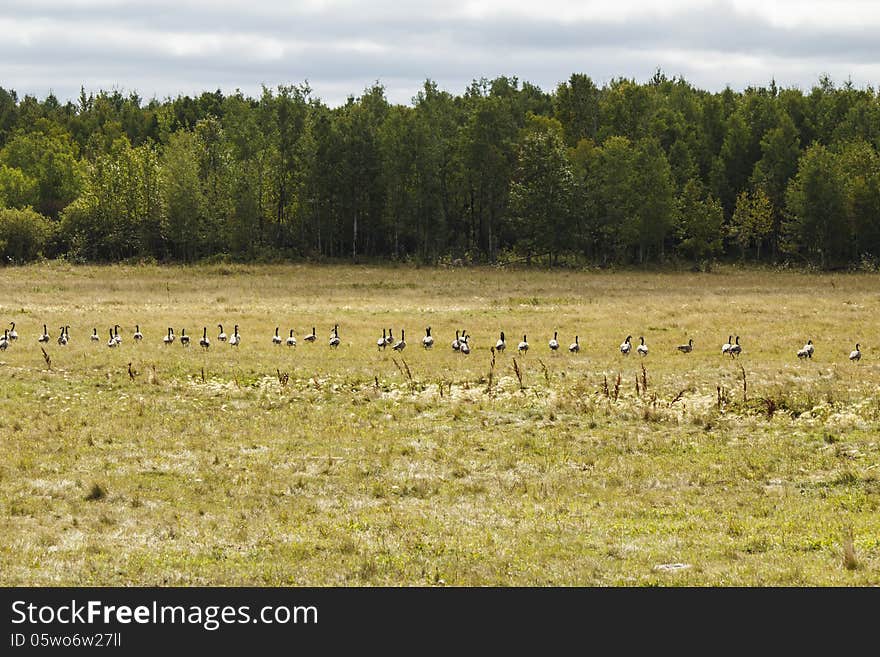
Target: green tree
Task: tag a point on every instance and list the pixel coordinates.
(46, 154)
(700, 219)
(182, 195)
(655, 194)
(576, 107)
(752, 222)
(17, 189)
(23, 234)
(816, 227)
(861, 185)
(8, 113)
(542, 190)
(487, 153)
(615, 193)
(780, 150)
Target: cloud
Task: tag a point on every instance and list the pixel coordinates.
(164, 48)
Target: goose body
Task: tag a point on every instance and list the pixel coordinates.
(64, 338)
(501, 345)
(456, 344)
(725, 348)
(4, 341)
(311, 337)
(428, 340)
(523, 346)
(112, 341)
(575, 346)
(334, 341)
(291, 341)
(808, 348)
(222, 335)
(94, 336)
(806, 351)
(642, 348)
(169, 337)
(389, 340)
(138, 336)
(735, 348)
(626, 346)
(856, 354)
(464, 346)
(205, 342)
(12, 334)
(400, 345)
(554, 343)
(45, 336)
(276, 339)
(235, 340)
(380, 343)
(686, 348)
(184, 338)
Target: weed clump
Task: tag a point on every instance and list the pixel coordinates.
(96, 492)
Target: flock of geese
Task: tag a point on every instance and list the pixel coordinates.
(461, 344)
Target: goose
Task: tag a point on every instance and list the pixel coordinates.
(334, 341)
(311, 337)
(626, 345)
(428, 340)
(380, 343)
(523, 346)
(4, 341)
(464, 346)
(63, 338)
(390, 339)
(686, 348)
(276, 339)
(809, 348)
(806, 351)
(94, 336)
(400, 345)
(12, 334)
(736, 349)
(575, 346)
(168, 339)
(112, 341)
(45, 336)
(235, 340)
(205, 342)
(184, 338)
(456, 344)
(138, 336)
(725, 348)
(222, 335)
(116, 334)
(642, 348)
(856, 354)
(291, 341)
(501, 345)
(554, 343)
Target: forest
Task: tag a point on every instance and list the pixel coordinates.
(622, 174)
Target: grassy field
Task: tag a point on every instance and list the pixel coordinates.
(263, 465)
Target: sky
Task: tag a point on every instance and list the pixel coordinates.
(162, 48)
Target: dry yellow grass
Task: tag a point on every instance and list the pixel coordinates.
(267, 465)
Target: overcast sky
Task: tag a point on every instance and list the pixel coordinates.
(168, 47)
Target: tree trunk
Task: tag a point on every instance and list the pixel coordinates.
(354, 238)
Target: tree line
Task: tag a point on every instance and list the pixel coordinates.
(624, 173)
